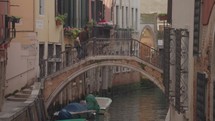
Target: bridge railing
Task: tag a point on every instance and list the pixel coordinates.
(101, 47)
(125, 47)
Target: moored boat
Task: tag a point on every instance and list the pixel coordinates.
(83, 111)
(104, 104)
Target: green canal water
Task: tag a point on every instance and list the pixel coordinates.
(137, 102)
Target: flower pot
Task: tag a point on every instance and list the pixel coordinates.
(58, 22)
(162, 18)
(16, 20)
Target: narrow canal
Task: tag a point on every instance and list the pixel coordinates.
(138, 102)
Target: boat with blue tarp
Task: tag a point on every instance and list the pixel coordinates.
(86, 110)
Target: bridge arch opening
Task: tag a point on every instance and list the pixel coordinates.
(95, 65)
(148, 37)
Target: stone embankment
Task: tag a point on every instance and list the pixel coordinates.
(24, 105)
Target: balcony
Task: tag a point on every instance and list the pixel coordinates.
(7, 29)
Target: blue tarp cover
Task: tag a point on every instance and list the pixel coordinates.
(72, 107)
(76, 107)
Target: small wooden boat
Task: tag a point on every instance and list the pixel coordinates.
(104, 104)
(80, 112)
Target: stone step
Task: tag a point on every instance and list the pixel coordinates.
(13, 98)
(21, 95)
(26, 91)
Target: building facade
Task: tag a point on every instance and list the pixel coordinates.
(203, 50)
(196, 18)
(151, 27)
(4, 41)
(126, 14)
(181, 65)
(22, 64)
(7, 33)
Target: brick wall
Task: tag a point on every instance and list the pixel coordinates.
(125, 78)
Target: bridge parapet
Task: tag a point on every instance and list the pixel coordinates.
(128, 53)
(126, 47)
(101, 47)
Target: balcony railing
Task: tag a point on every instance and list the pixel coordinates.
(6, 31)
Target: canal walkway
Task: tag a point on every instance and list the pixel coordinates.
(25, 105)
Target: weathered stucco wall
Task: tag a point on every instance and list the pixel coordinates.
(153, 6)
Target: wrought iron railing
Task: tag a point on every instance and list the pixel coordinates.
(6, 32)
(101, 47)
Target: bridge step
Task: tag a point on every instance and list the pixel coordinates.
(21, 95)
(26, 91)
(13, 98)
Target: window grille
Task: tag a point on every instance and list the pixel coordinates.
(201, 97)
(50, 50)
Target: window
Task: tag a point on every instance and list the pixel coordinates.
(99, 10)
(86, 74)
(58, 66)
(201, 96)
(73, 9)
(2, 72)
(122, 16)
(59, 7)
(2, 28)
(41, 51)
(136, 18)
(41, 7)
(50, 50)
(78, 15)
(126, 17)
(117, 15)
(132, 17)
(92, 10)
(117, 69)
(100, 72)
(50, 67)
(58, 51)
(124, 69)
(84, 12)
(68, 56)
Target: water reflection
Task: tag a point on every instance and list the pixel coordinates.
(140, 104)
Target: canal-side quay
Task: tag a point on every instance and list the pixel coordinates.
(26, 105)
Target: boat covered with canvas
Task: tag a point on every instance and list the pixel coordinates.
(86, 110)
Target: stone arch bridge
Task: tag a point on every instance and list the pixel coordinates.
(128, 53)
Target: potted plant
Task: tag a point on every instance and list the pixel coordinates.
(15, 19)
(71, 34)
(162, 16)
(60, 18)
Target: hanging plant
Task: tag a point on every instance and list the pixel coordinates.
(60, 19)
(162, 16)
(71, 33)
(15, 19)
